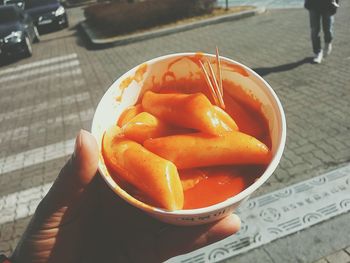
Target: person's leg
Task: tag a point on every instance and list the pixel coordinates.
(315, 21)
(327, 26)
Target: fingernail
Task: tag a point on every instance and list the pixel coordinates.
(78, 143)
(237, 220)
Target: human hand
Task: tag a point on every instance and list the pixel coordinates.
(82, 220)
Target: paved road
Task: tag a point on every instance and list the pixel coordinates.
(270, 4)
(46, 99)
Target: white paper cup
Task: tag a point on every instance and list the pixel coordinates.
(126, 91)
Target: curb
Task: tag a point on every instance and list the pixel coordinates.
(121, 40)
(67, 4)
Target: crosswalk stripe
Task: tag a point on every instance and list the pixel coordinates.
(21, 204)
(23, 131)
(37, 71)
(38, 63)
(27, 83)
(36, 156)
(44, 106)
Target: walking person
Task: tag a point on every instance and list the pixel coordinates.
(321, 12)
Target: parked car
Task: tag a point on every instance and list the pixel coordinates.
(17, 31)
(47, 12)
(19, 3)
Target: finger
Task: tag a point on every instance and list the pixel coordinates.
(45, 236)
(180, 240)
(174, 240)
(71, 183)
(122, 215)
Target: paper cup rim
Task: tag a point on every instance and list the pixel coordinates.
(230, 201)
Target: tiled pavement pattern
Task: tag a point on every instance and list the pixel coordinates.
(341, 256)
(43, 106)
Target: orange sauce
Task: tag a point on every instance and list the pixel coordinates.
(221, 183)
(212, 185)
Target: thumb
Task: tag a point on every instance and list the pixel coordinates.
(45, 238)
(69, 187)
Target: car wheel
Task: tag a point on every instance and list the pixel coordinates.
(27, 47)
(36, 35)
(65, 23)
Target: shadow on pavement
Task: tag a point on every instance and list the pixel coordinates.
(7, 60)
(83, 40)
(49, 29)
(281, 68)
(57, 34)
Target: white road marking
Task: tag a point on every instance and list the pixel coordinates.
(27, 83)
(39, 63)
(21, 204)
(17, 134)
(22, 132)
(44, 106)
(38, 71)
(36, 156)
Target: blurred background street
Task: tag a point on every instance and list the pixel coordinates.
(47, 98)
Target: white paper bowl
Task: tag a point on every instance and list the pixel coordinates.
(127, 89)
